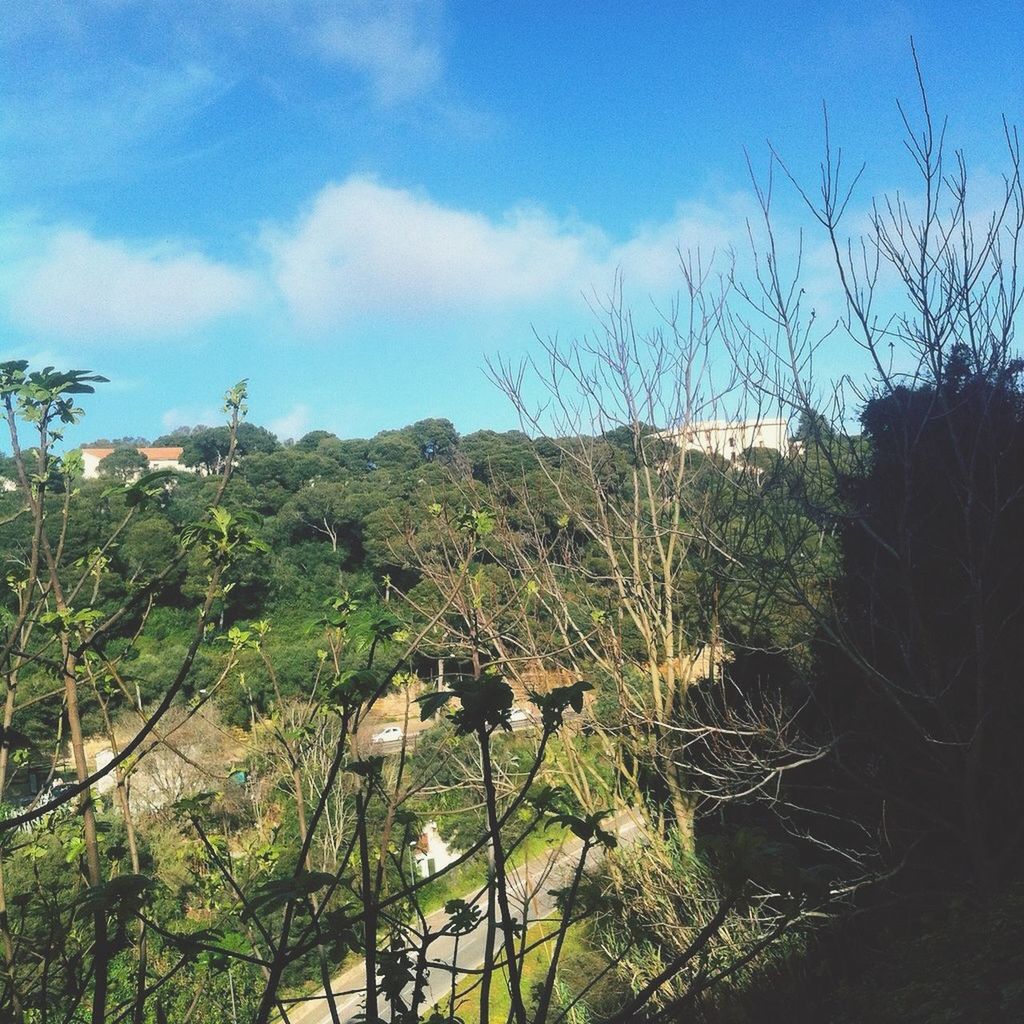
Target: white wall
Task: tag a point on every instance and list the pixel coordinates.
(730, 438)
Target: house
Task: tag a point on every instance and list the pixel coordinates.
(731, 438)
(159, 458)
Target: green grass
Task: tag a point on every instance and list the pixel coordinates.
(472, 875)
(535, 968)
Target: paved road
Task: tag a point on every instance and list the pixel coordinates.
(529, 886)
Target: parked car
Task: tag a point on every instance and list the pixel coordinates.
(519, 715)
(392, 734)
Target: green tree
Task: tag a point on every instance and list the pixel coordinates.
(311, 441)
(148, 547)
(437, 439)
(323, 510)
(207, 447)
(123, 464)
(393, 451)
(60, 603)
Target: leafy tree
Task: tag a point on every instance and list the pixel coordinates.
(910, 673)
(931, 557)
(324, 510)
(436, 439)
(129, 441)
(276, 475)
(123, 464)
(311, 441)
(394, 451)
(57, 605)
(252, 439)
(149, 546)
(492, 458)
(206, 447)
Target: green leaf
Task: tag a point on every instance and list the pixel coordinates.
(545, 797)
(486, 703)
(123, 896)
(276, 892)
(354, 686)
(339, 927)
(431, 703)
(463, 917)
(555, 703)
(147, 487)
(194, 806)
(588, 828)
(14, 739)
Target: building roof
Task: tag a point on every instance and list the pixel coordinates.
(153, 454)
(733, 424)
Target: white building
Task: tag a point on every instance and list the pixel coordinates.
(731, 438)
(431, 853)
(107, 783)
(159, 458)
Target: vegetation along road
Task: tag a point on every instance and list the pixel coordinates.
(531, 885)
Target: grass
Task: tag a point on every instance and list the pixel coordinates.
(535, 968)
(471, 876)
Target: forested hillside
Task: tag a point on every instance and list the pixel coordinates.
(333, 515)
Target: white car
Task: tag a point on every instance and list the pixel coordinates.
(54, 791)
(392, 734)
(519, 715)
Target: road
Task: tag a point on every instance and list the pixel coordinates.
(529, 885)
(415, 728)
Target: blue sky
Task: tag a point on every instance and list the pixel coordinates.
(353, 204)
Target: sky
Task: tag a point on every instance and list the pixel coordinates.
(355, 204)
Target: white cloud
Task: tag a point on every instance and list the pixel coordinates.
(191, 416)
(99, 120)
(395, 45)
(293, 424)
(364, 248)
(85, 287)
(361, 251)
(650, 257)
(92, 111)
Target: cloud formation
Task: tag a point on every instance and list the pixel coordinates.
(89, 125)
(99, 89)
(363, 248)
(361, 251)
(396, 45)
(85, 287)
(293, 424)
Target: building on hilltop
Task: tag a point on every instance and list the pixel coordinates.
(159, 458)
(729, 439)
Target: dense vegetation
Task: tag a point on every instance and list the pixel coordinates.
(770, 700)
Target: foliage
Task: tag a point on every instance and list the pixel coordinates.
(123, 464)
(740, 693)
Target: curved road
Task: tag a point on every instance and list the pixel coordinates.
(529, 885)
